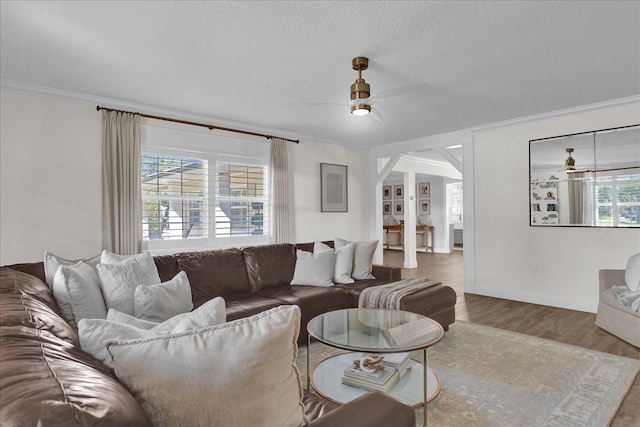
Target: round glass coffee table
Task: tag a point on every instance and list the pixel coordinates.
(374, 331)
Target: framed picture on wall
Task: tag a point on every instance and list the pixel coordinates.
(398, 191)
(386, 192)
(424, 207)
(424, 190)
(398, 208)
(386, 208)
(333, 188)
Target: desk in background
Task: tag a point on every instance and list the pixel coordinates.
(426, 234)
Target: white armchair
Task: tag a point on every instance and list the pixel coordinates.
(612, 315)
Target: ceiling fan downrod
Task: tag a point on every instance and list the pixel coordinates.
(360, 89)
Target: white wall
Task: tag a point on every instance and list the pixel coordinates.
(50, 183)
(552, 266)
(50, 193)
(310, 223)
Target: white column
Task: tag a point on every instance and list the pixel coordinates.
(410, 260)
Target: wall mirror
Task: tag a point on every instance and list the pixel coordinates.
(589, 179)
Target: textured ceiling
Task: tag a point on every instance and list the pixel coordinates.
(481, 62)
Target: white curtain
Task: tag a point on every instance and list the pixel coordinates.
(121, 217)
(279, 174)
(577, 191)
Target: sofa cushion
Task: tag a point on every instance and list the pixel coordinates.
(76, 289)
(312, 300)
(29, 311)
(269, 265)
(95, 332)
(120, 280)
(314, 269)
(362, 257)
(632, 273)
(167, 266)
(214, 273)
(45, 378)
(211, 312)
(343, 263)
(248, 304)
(249, 379)
(53, 262)
(158, 303)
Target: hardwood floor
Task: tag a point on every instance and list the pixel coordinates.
(566, 326)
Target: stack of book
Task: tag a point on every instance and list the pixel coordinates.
(401, 362)
(381, 380)
(395, 366)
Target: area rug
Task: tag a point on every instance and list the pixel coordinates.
(492, 377)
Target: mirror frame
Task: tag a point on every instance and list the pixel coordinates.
(533, 182)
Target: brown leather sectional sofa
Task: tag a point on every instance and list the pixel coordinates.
(46, 379)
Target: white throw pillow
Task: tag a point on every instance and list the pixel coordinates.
(158, 303)
(632, 273)
(362, 257)
(53, 262)
(212, 312)
(343, 263)
(76, 289)
(94, 333)
(120, 317)
(314, 269)
(119, 281)
(108, 257)
(242, 373)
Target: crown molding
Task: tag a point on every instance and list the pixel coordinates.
(64, 95)
(635, 99)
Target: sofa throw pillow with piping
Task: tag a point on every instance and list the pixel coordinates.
(119, 317)
(158, 303)
(250, 380)
(108, 257)
(343, 262)
(212, 312)
(362, 257)
(119, 280)
(94, 333)
(53, 262)
(632, 273)
(314, 269)
(76, 289)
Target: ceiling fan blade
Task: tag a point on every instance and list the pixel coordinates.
(376, 115)
(316, 103)
(394, 93)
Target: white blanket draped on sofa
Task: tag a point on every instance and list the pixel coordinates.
(627, 297)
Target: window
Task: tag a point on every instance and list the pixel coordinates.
(241, 199)
(455, 202)
(174, 197)
(618, 200)
(201, 191)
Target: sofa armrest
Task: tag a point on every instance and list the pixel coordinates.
(370, 410)
(386, 273)
(609, 278)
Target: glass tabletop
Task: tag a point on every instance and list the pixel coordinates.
(375, 330)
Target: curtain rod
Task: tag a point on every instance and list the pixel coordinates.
(185, 122)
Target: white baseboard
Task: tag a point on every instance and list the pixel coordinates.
(585, 305)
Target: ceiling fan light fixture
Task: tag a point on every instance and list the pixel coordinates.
(360, 109)
(570, 163)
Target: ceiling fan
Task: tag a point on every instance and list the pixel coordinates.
(361, 99)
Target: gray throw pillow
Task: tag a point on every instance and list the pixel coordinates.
(362, 257)
(314, 269)
(158, 303)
